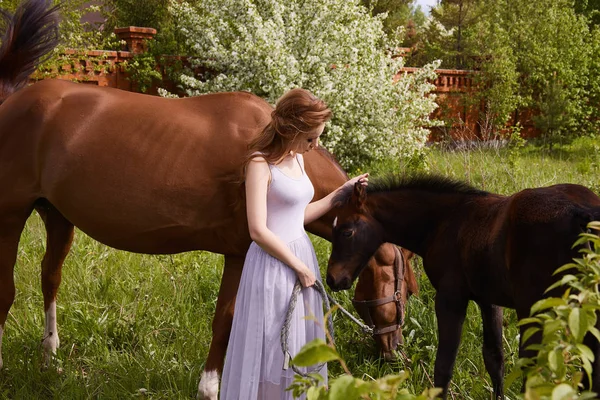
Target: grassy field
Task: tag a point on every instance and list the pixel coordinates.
(139, 326)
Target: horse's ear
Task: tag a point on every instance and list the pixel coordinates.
(359, 195)
(409, 275)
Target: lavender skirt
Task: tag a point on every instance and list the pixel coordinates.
(254, 362)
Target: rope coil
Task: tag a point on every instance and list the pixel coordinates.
(285, 331)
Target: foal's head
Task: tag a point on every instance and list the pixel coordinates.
(356, 238)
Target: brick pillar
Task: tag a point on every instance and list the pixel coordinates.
(135, 37)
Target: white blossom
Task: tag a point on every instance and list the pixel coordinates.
(333, 48)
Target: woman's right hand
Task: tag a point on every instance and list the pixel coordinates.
(306, 276)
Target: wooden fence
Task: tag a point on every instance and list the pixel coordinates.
(454, 88)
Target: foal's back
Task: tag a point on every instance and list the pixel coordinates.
(543, 225)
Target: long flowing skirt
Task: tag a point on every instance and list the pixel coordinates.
(254, 362)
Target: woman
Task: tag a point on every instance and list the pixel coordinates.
(278, 193)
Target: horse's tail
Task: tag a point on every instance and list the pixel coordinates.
(31, 34)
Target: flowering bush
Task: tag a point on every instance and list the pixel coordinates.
(333, 48)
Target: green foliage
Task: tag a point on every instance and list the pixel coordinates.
(556, 370)
(448, 33)
(334, 48)
(121, 13)
(346, 387)
(143, 70)
(396, 13)
(541, 56)
(591, 10)
(153, 14)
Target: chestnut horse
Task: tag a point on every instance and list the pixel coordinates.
(136, 172)
(499, 251)
(381, 295)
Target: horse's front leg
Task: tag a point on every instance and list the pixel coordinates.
(493, 353)
(450, 310)
(208, 389)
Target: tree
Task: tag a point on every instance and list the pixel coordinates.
(590, 9)
(446, 35)
(334, 48)
(551, 46)
(538, 56)
(398, 12)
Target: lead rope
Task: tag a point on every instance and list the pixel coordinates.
(285, 331)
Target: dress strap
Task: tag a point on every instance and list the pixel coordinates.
(300, 160)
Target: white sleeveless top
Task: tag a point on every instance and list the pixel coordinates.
(287, 199)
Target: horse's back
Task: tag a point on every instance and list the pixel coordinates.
(127, 167)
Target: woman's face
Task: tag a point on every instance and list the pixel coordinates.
(309, 141)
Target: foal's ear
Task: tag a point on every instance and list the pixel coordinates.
(359, 195)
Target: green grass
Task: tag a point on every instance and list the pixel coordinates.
(137, 326)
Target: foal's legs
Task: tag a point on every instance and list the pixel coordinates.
(450, 310)
(493, 354)
(59, 236)
(11, 226)
(208, 389)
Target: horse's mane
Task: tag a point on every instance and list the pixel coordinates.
(428, 183)
(331, 158)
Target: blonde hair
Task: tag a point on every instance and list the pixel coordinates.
(297, 113)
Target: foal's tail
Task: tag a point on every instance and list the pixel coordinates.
(31, 33)
(587, 215)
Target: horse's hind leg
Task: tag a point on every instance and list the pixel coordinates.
(11, 226)
(58, 243)
(493, 354)
(208, 389)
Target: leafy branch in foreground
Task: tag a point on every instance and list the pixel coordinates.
(562, 359)
(347, 387)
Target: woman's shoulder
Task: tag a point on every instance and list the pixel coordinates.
(258, 157)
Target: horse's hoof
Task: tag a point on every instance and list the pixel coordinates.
(208, 388)
(50, 343)
(389, 356)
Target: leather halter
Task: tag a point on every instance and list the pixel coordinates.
(363, 307)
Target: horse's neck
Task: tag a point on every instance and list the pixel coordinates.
(410, 217)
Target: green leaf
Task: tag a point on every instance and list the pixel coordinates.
(564, 268)
(556, 360)
(515, 374)
(344, 388)
(547, 303)
(594, 331)
(552, 326)
(563, 392)
(586, 351)
(314, 352)
(528, 333)
(314, 392)
(530, 320)
(578, 323)
(565, 279)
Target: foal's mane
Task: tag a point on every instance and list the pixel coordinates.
(428, 183)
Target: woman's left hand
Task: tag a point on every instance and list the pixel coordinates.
(363, 179)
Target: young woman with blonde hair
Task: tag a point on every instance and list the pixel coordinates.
(278, 195)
